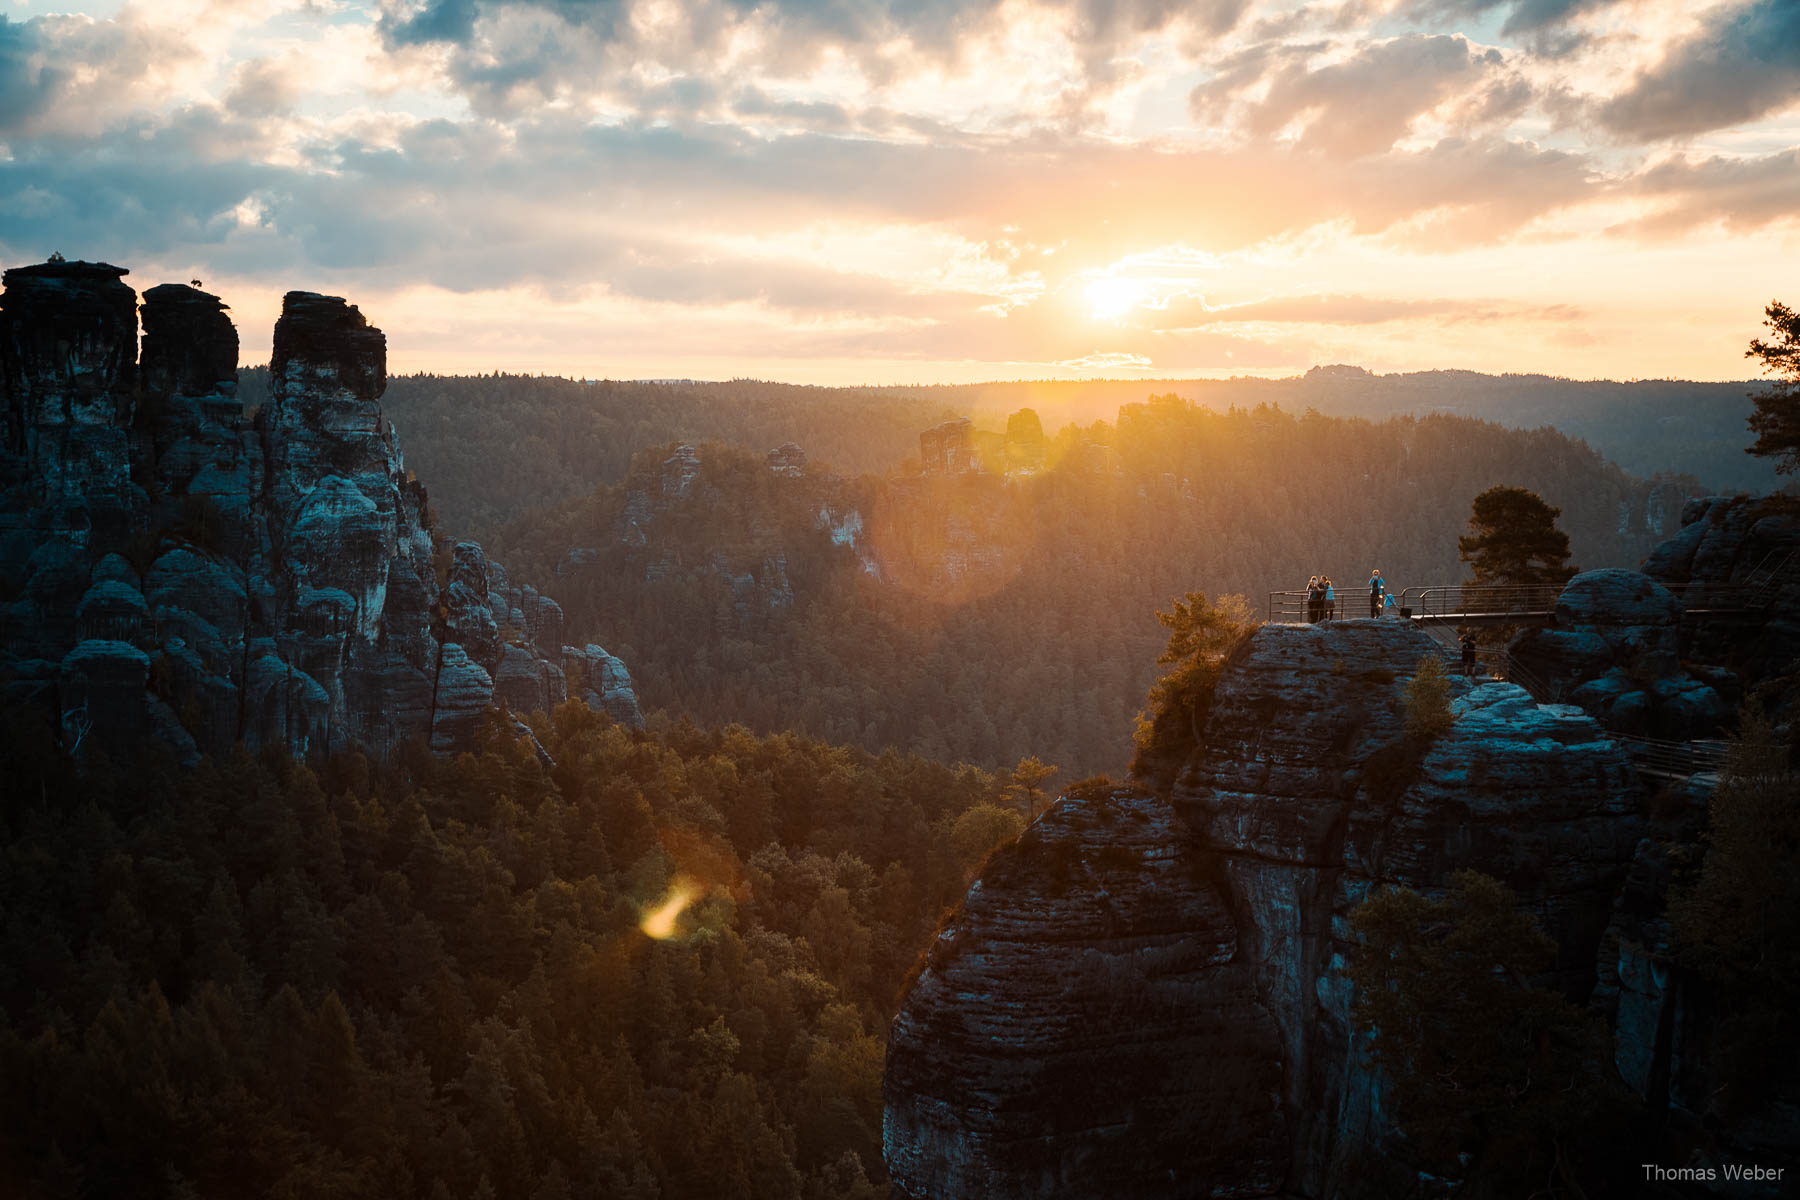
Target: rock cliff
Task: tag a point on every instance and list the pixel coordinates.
(170, 566)
(1148, 991)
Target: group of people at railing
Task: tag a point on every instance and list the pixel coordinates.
(1322, 599)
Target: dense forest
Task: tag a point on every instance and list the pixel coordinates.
(980, 618)
(659, 967)
(492, 447)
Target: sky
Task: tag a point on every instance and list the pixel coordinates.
(915, 191)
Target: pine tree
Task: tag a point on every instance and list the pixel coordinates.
(1513, 540)
(1776, 421)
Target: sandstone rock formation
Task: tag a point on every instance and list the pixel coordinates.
(694, 513)
(788, 460)
(1671, 652)
(171, 568)
(1218, 922)
(1616, 650)
(948, 449)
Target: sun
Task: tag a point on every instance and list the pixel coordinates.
(1112, 296)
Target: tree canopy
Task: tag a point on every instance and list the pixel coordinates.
(658, 969)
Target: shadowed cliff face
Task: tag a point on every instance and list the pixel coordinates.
(169, 569)
(1299, 803)
(1089, 1025)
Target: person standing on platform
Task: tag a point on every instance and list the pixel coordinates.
(1376, 587)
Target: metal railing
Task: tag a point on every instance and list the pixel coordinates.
(1446, 604)
(1295, 608)
(1681, 759)
(1460, 600)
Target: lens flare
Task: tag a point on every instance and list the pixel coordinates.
(660, 921)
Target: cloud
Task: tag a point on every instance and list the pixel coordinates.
(1744, 194)
(1526, 16)
(62, 74)
(1366, 102)
(506, 56)
(1743, 63)
(264, 87)
(1192, 312)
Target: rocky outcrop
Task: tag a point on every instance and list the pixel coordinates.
(172, 569)
(1750, 545)
(1026, 447)
(948, 449)
(788, 460)
(1616, 651)
(1305, 796)
(603, 682)
(714, 521)
(1671, 652)
(956, 447)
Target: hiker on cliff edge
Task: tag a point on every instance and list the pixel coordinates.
(1376, 587)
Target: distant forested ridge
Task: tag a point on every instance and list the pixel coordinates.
(493, 446)
(1648, 426)
(983, 617)
(429, 978)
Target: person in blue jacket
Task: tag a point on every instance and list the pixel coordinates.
(1330, 600)
(1376, 587)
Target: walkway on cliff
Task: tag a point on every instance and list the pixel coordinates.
(1489, 604)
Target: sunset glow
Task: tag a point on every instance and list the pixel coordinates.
(892, 192)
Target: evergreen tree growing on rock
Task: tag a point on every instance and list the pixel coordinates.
(1202, 635)
(1776, 421)
(1513, 540)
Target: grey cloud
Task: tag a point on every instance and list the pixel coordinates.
(262, 87)
(1742, 64)
(437, 21)
(58, 71)
(507, 55)
(1366, 103)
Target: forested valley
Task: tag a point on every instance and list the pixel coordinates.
(982, 616)
(660, 968)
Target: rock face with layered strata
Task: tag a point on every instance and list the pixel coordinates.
(1218, 921)
(175, 570)
(1090, 1024)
